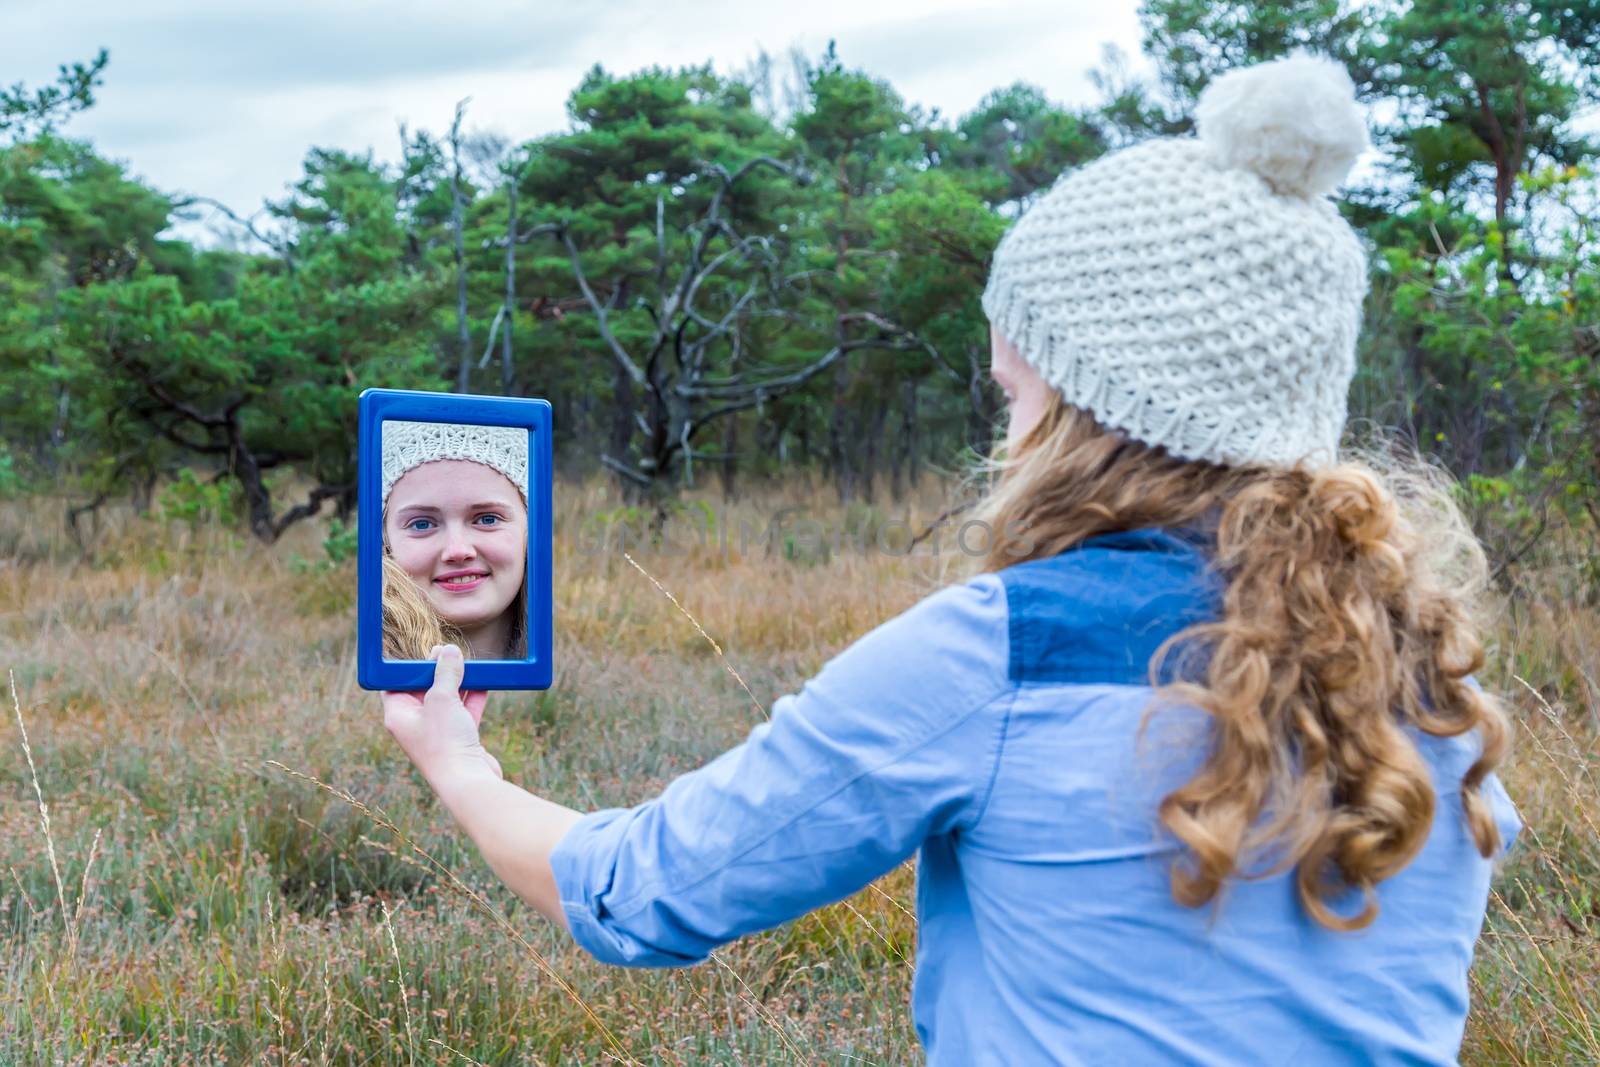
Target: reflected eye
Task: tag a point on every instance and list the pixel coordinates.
(491, 520)
(420, 525)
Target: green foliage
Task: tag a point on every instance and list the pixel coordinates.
(189, 500)
(24, 112)
(1479, 342)
(807, 547)
(1016, 142)
(1484, 92)
(1192, 41)
(10, 478)
(126, 357)
(341, 542)
(339, 546)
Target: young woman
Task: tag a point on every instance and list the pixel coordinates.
(455, 534)
(1195, 770)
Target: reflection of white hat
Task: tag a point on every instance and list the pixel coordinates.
(411, 444)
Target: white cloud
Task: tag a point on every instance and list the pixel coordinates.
(225, 101)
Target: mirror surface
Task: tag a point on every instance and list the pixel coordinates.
(455, 539)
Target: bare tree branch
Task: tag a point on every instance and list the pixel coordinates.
(494, 329)
(755, 393)
(915, 340)
(309, 509)
(670, 368)
(599, 309)
(278, 247)
(624, 470)
(458, 210)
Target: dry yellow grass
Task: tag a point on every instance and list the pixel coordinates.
(241, 868)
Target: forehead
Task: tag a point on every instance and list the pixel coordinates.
(450, 484)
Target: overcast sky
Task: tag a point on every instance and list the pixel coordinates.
(224, 99)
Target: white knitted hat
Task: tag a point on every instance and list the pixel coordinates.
(1202, 293)
(411, 444)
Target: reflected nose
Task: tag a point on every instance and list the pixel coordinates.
(459, 548)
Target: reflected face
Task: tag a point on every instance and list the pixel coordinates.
(460, 530)
(1027, 393)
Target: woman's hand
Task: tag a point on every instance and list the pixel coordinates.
(439, 729)
(515, 830)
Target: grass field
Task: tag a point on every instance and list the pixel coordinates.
(213, 852)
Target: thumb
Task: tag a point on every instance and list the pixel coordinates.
(449, 668)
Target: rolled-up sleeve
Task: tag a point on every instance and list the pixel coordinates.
(895, 740)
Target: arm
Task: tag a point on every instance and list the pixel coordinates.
(895, 741)
(514, 829)
(516, 832)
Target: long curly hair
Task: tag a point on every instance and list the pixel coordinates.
(411, 627)
(1351, 609)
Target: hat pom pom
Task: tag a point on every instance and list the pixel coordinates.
(1293, 121)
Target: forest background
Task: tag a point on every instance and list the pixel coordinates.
(725, 277)
(753, 289)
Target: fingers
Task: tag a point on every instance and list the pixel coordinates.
(399, 708)
(392, 713)
(475, 702)
(449, 668)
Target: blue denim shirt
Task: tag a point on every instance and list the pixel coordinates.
(993, 730)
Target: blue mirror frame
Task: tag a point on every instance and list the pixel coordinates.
(380, 405)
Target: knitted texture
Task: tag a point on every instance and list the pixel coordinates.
(1201, 293)
(411, 444)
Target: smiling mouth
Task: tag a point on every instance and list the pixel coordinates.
(461, 582)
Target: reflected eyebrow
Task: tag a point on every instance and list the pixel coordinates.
(486, 505)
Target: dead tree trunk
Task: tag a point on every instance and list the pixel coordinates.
(903, 471)
(803, 433)
(913, 433)
(510, 308)
(728, 466)
(458, 228)
(841, 464)
(622, 416)
(871, 450)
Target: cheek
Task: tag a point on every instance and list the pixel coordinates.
(415, 557)
(508, 551)
(509, 555)
(1028, 408)
(1030, 405)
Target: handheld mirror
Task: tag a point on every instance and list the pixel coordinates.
(454, 539)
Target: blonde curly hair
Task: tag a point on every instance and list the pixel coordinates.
(411, 626)
(1351, 610)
